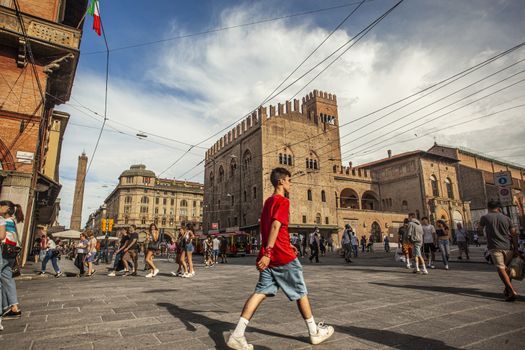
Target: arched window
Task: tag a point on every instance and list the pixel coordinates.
(280, 158)
(312, 162)
(290, 160)
(221, 174)
(183, 203)
(144, 200)
(212, 177)
(233, 167)
(404, 205)
(434, 184)
(245, 195)
(323, 196)
(450, 190)
(128, 200)
(309, 195)
(246, 161)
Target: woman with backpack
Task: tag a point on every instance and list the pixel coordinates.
(153, 246)
(12, 214)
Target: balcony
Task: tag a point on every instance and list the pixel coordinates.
(54, 46)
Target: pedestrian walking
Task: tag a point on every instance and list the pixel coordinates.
(502, 243)
(208, 247)
(322, 245)
(216, 245)
(91, 252)
(189, 236)
(355, 243)
(386, 242)
(443, 235)
(363, 244)
(406, 245)
(81, 250)
(224, 250)
(51, 253)
(118, 264)
(462, 240)
(3, 234)
(429, 241)
(330, 242)
(11, 214)
(304, 242)
(36, 245)
(153, 246)
(131, 252)
(314, 248)
(415, 234)
(278, 266)
(476, 239)
(346, 241)
(296, 242)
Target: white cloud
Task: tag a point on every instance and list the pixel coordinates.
(192, 87)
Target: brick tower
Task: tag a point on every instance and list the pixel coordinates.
(78, 197)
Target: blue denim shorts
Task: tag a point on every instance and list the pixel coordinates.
(287, 277)
(189, 248)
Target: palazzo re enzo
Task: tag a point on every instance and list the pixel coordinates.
(374, 198)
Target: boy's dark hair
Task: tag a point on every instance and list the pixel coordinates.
(406, 221)
(492, 204)
(424, 218)
(411, 215)
(278, 174)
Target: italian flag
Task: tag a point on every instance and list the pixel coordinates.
(93, 11)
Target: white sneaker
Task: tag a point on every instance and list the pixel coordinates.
(424, 272)
(149, 275)
(239, 343)
(1, 327)
(323, 332)
(155, 272)
(409, 266)
(446, 267)
(112, 274)
(176, 274)
(192, 273)
(186, 275)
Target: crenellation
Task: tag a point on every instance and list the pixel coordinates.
(296, 105)
(261, 113)
(288, 107)
(280, 109)
(272, 111)
(238, 130)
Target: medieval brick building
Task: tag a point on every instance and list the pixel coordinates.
(303, 136)
(39, 52)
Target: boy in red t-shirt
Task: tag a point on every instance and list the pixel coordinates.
(278, 266)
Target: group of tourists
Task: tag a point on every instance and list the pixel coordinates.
(10, 215)
(213, 248)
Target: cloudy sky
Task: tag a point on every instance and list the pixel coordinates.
(180, 91)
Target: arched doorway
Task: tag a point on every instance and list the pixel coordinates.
(376, 231)
(349, 199)
(457, 218)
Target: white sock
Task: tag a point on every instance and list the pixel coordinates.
(417, 264)
(241, 327)
(312, 327)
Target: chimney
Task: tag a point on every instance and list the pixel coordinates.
(350, 165)
(389, 153)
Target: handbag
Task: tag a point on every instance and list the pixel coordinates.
(10, 251)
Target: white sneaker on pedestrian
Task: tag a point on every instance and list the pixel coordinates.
(192, 273)
(155, 272)
(112, 274)
(323, 332)
(1, 327)
(408, 266)
(424, 272)
(446, 267)
(185, 275)
(149, 275)
(238, 343)
(175, 274)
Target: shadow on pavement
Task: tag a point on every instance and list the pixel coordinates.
(389, 338)
(216, 328)
(469, 292)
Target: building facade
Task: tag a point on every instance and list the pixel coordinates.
(476, 181)
(141, 198)
(39, 52)
(303, 136)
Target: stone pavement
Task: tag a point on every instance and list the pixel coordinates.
(373, 303)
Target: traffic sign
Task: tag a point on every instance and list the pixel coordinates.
(503, 178)
(214, 226)
(505, 195)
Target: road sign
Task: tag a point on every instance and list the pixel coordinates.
(505, 195)
(503, 178)
(214, 226)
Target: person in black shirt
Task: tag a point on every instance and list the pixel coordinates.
(131, 251)
(120, 251)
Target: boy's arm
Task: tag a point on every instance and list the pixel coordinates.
(265, 260)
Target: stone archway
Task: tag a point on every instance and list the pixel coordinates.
(457, 218)
(370, 201)
(349, 199)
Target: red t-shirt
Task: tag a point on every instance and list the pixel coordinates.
(277, 208)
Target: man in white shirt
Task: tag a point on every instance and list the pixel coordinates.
(216, 243)
(429, 241)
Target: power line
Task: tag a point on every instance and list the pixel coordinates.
(215, 30)
(358, 36)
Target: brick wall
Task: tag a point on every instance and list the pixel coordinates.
(46, 9)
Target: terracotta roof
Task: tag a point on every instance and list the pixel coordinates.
(407, 155)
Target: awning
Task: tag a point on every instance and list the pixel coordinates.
(68, 234)
(46, 204)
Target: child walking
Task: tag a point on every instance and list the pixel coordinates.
(278, 266)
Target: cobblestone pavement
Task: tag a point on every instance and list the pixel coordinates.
(373, 303)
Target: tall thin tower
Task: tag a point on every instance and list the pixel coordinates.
(78, 197)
